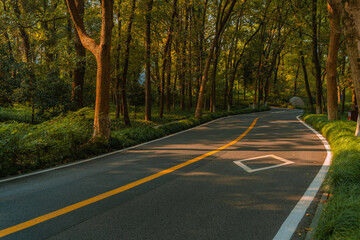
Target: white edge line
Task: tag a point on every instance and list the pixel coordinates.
(111, 153)
(288, 228)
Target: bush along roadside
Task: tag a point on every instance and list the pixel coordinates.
(341, 216)
(25, 147)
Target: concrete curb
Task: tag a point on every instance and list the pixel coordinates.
(315, 221)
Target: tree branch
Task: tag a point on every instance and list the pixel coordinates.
(87, 41)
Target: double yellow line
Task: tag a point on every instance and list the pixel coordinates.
(113, 192)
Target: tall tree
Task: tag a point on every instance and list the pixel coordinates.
(166, 62)
(315, 57)
(79, 71)
(149, 5)
(223, 17)
(126, 65)
(350, 17)
(101, 51)
(118, 105)
(333, 7)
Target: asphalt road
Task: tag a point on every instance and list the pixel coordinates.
(212, 198)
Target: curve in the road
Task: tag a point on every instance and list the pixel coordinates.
(292, 221)
(113, 192)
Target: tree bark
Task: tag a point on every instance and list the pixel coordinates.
(149, 5)
(189, 65)
(306, 79)
(351, 19)
(213, 81)
(343, 91)
(101, 52)
(118, 107)
(126, 66)
(315, 58)
(168, 81)
(79, 71)
(331, 66)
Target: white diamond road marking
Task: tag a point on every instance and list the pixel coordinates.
(250, 170)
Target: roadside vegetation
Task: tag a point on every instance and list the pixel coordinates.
(25, 147)
(341, 216)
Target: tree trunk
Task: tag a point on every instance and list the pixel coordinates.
(306, 79)
(117, 67)
(201, 49)
(351, 21)
(189, 65)
(343, 91)
(213, 80)
(147, 60)
(126, 66)
(168, 81)
(174, 93)
(101, 52)
(79, 71)
(334, 19)
(315, 58)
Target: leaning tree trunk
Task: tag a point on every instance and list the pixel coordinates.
(101, 52)
(334, 18)
(351, 19)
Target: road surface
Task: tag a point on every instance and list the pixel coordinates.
(234, 178)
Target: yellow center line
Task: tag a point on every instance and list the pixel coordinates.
(113, 192)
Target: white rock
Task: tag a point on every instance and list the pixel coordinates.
(297, 102)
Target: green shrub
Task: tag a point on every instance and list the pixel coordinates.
(25, 147)
(140, 135)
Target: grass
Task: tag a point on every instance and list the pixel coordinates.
(25, 147)
(19, 113)
(341, 216)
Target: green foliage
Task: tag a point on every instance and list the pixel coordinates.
(11, 135)
(19, 113)
(9, 79)
(173, 127)
(52, 96)
(341, 217)
(25, 147)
